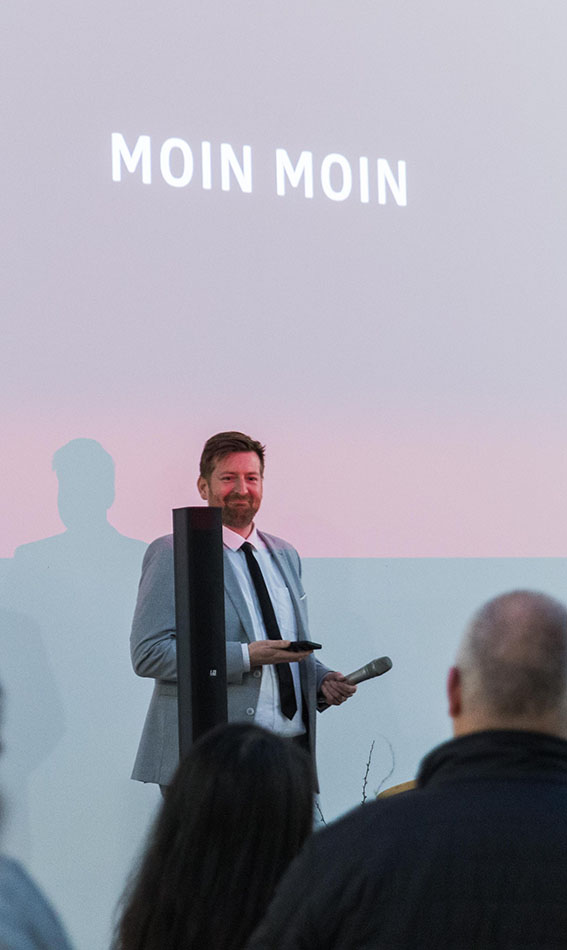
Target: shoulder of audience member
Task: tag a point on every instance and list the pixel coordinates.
(325, 881)
(23, 906)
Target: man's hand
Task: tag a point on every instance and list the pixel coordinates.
(267, 652)
(336, 690)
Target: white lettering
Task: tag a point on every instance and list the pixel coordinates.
(242, 173)
(337, 175)
(176, 181)
(304, 168)
(364, 186)
(121, 153)
(397, 187)
(346, 187)
(206, 169)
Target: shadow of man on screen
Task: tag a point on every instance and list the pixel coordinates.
(78, 590)
(80, 586)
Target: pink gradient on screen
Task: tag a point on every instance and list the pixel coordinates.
(419, 488)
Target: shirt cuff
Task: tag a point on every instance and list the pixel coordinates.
(245, 657)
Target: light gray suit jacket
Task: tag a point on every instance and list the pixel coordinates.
(153, 651)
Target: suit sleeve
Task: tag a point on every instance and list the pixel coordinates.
(321, 672)
(153, 641)
(320, 669)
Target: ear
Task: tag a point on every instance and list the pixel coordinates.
(203, 488)
(454, 688)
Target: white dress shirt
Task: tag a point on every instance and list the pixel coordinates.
(268, 711)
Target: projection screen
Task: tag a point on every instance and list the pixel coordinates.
(337, 227)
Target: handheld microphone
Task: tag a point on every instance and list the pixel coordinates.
(375, 668)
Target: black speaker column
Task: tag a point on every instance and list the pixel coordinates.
(199, 612)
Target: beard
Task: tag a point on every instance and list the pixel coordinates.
(238, 512)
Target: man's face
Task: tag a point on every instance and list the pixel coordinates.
(235, 485)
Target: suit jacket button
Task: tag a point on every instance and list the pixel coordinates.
(257, 673)
(250, 711)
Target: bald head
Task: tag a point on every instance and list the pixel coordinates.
(511, 669)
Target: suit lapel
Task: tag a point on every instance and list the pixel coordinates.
(281, 558)
(289, 574)
(233, 591)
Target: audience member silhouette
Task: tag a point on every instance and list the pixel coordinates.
(238, 811)
(27, 920)
(68, 602)
(475, 856)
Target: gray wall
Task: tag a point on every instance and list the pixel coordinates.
(74, 709)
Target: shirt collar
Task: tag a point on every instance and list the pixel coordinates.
(235, 541)
(497, 753)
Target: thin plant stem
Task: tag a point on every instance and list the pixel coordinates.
(321, 815)
(365, 780)
(386, 777)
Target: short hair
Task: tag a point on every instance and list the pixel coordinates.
(239, 809)
(514, 656)
(225, 443)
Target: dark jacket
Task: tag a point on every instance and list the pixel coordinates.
(474, 857)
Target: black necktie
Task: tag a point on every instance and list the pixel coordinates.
(288, 701)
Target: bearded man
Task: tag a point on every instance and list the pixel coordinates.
(265, 611)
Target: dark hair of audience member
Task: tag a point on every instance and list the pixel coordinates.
(238, 810)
